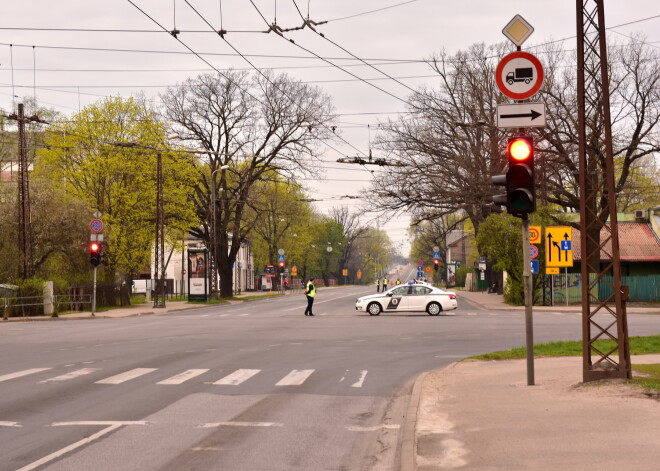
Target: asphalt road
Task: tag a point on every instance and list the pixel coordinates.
(250, 386)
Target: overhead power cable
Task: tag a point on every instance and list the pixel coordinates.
(280, 32)
(292, 99)
(311, 25)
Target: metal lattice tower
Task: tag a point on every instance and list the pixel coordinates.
(24, 216)
(603, 303)
(159, 255)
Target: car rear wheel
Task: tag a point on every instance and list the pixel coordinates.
(433, 309)
(374, 309)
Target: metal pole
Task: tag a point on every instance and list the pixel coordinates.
(566, 281)
(214, 262)
(527, 284)
(94, 293)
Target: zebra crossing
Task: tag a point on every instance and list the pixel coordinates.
(294, 377)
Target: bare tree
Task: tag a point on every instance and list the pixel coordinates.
(248, 127)
(352, 229)
(448, 146)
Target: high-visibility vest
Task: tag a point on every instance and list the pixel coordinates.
(384, 281)
(377, 281)
(398, 282)
(311, 290)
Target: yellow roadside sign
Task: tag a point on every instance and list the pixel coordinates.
(534, 234)
(344, 272)
(558, 246)
(359, 274)
(552, 270)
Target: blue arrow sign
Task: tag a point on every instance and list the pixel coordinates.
(535, 266)
(565, 245)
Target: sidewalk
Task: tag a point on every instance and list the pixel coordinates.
(482, 415)
(495, 302)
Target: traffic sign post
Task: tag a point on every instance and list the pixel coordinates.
(519, 75)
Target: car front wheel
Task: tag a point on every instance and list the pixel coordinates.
(374, 309)
(433, 309)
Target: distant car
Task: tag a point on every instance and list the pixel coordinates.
(416, 298)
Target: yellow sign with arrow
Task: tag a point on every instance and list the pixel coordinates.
(558, 246)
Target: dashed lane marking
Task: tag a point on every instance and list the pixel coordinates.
(183, 377)
(295, 378)
(360, 382)
(237, 377)
(127, 376)
(20, 374)
(240, 424)
(71, 375)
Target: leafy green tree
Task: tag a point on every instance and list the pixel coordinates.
(105, 155)
(248, 127)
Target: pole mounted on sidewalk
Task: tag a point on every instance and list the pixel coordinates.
(527, 282)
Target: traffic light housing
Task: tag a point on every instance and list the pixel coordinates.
(280, 267)
(520, 177)
(436, 264)
(95, 253)
(520, 197)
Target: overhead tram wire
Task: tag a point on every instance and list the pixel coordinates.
(373, 11)
(310, 24)
(222, 36)
(279, 32)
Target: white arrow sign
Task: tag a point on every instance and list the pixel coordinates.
(521, 115)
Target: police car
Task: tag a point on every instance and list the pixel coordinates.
(417, 297)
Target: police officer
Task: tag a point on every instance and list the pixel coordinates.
(310, 292)
(377, 285)
(384, 284)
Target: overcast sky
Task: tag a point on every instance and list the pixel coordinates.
(71, 53)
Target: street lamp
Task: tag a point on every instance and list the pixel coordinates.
(214, 271)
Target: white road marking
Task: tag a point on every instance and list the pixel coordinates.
(20, 374)
(471, 313)
(71, 375)
(355, 428)
(224, 315)
(241, 424)
(183, 377)
(128, 375)
(243, 315)
(99, 422)
(295, 378)
(237, 377)
(69, 448)
(360, 381)
(9, 424)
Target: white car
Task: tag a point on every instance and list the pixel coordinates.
(413, 297)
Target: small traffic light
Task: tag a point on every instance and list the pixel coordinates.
(436, 264)
(95, 253)
(519, 179)
(280, 267)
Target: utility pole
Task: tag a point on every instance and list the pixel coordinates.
(24, 215)
(159, 264)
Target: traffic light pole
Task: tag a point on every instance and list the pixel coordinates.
(527, 287)
(94, 293)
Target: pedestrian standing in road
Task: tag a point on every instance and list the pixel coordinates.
(384, 284)
(377, 285)
(310, 292)
(398, 281)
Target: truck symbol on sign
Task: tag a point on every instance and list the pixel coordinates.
(523, 74)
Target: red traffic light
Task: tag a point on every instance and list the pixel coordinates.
(281, 264)
(520, 148)
(94, 247)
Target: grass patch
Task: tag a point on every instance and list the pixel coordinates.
(638, 346)
(652, 378)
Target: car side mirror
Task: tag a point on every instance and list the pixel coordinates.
(389, 294)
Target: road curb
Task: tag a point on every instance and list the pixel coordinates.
(408, 443)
